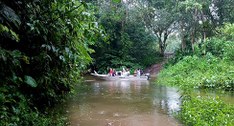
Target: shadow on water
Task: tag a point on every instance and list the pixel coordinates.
(124, 103)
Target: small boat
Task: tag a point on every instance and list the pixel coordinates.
(120, 77)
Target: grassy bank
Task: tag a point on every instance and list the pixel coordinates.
(206, 111)
(200, 72)
(209, 67)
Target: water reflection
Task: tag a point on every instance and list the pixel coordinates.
(167, 99)
(125, 103)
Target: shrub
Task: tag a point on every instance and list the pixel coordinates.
(206, 112)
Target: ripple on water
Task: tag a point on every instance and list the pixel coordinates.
(131, 103)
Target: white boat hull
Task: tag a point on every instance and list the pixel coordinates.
(130, 77)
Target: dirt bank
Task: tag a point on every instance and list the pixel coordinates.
(154, 69)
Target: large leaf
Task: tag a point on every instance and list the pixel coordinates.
(9, 15)
(30, 81)
(9, 32)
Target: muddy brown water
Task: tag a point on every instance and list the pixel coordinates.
(124, 103)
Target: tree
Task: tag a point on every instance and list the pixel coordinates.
(199, 19)
(129, 43)
(189, 11)
(44, 47)
(159, 17)
(222, 11)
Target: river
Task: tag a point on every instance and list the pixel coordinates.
(124, 103)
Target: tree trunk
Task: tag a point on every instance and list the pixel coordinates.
(203, 27)
(162, 41)
(183, 43)
(165, 40)
(204, 35)
(193, 39)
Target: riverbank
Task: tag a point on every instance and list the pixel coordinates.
(154, 69)
(204, 72)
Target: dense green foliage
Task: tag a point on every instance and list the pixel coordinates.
(210, 66)
(206, 112)
(160, 18)
(128, 43)
(153, 22)
(196, 72)
(44, 46)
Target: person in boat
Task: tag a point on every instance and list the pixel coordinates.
(138, 72)
(125, 72)
(128, 72)
(135, 73)
(110, 72)
(141, 72)
(114, 72)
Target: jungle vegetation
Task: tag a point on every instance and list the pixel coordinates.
(204, 62)
(209, 67)
(45, 45)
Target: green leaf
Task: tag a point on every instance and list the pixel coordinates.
(11, 33)
(116, 1)
(10, 16)
(30, 81)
